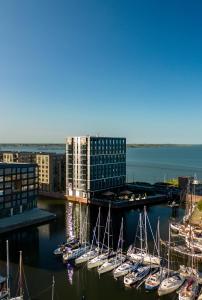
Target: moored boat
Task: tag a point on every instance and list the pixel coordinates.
(190, 290)
(135, 276)
(154, 280)
(125, 268)
(170, 284)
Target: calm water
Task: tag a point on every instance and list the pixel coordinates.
(37, 243)
(145, 164)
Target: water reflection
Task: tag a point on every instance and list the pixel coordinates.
(39, 242)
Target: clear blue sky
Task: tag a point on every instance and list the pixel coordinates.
(109, 67)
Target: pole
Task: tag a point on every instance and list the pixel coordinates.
(20, 279)
(145, 228)
(8, 269)
(53, 288)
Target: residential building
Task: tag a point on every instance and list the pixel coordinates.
(51, 172)
(18, 188)
(51, 169)
(94, 164)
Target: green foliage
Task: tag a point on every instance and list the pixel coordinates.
(199, 205)
(173, 181)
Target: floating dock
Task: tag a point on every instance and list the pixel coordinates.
(31, 217)
(150, 200)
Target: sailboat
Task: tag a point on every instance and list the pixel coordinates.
(135, 276)
(172, 282)
(143, 254)
(125, 268)
(114, 262)
(105, 254)
(94, 251)
(84, 246)
(190, 290)
(20, 292)
(154, 280)
(4, 282)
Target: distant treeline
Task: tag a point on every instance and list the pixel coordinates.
(62, 145)
(157, 145)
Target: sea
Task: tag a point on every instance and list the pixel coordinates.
(148, 164)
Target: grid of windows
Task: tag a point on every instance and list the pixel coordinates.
(18, 187)
(95, 163)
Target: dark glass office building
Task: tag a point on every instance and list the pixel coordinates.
(94, 164)
(18, 187)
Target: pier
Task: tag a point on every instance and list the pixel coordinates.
(35, 216)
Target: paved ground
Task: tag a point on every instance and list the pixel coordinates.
(31, 217)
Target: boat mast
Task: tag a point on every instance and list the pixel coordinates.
(109, 227)
(98, 238)
(53, 288)
(169, 250)
(158, 237)
(20, 276)
(7, 269)
(86, 226)
(141, 232)
(145, 229)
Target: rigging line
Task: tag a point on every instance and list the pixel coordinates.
(25, 280)
(43, 291)
(152, 233)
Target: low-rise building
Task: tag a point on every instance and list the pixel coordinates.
(18, 188)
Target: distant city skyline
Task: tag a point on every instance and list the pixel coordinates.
(114, 68)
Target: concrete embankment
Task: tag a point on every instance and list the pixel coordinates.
(31, 217)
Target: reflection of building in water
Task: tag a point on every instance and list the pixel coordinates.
(70, 273)
(25, 240)
(77, 221)
(44, 231)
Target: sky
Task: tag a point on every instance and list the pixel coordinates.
(110, 67)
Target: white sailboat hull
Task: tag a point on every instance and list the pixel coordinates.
(111, 265)
(86, 256)
(170, 284)
(124, 269)
(97, 261)
(145, 258)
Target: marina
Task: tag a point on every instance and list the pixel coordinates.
(38, 244)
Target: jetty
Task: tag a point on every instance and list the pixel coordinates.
(31, 217)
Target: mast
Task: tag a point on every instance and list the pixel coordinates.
(7, 268)
(145, 229)
(169, 251)
(158, 236)
(86, 226)
(20, 276)
(141, 232)
(53, 288)
(98, 238)
(109, 228)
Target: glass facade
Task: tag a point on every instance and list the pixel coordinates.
(94, 164)
(18, 188)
